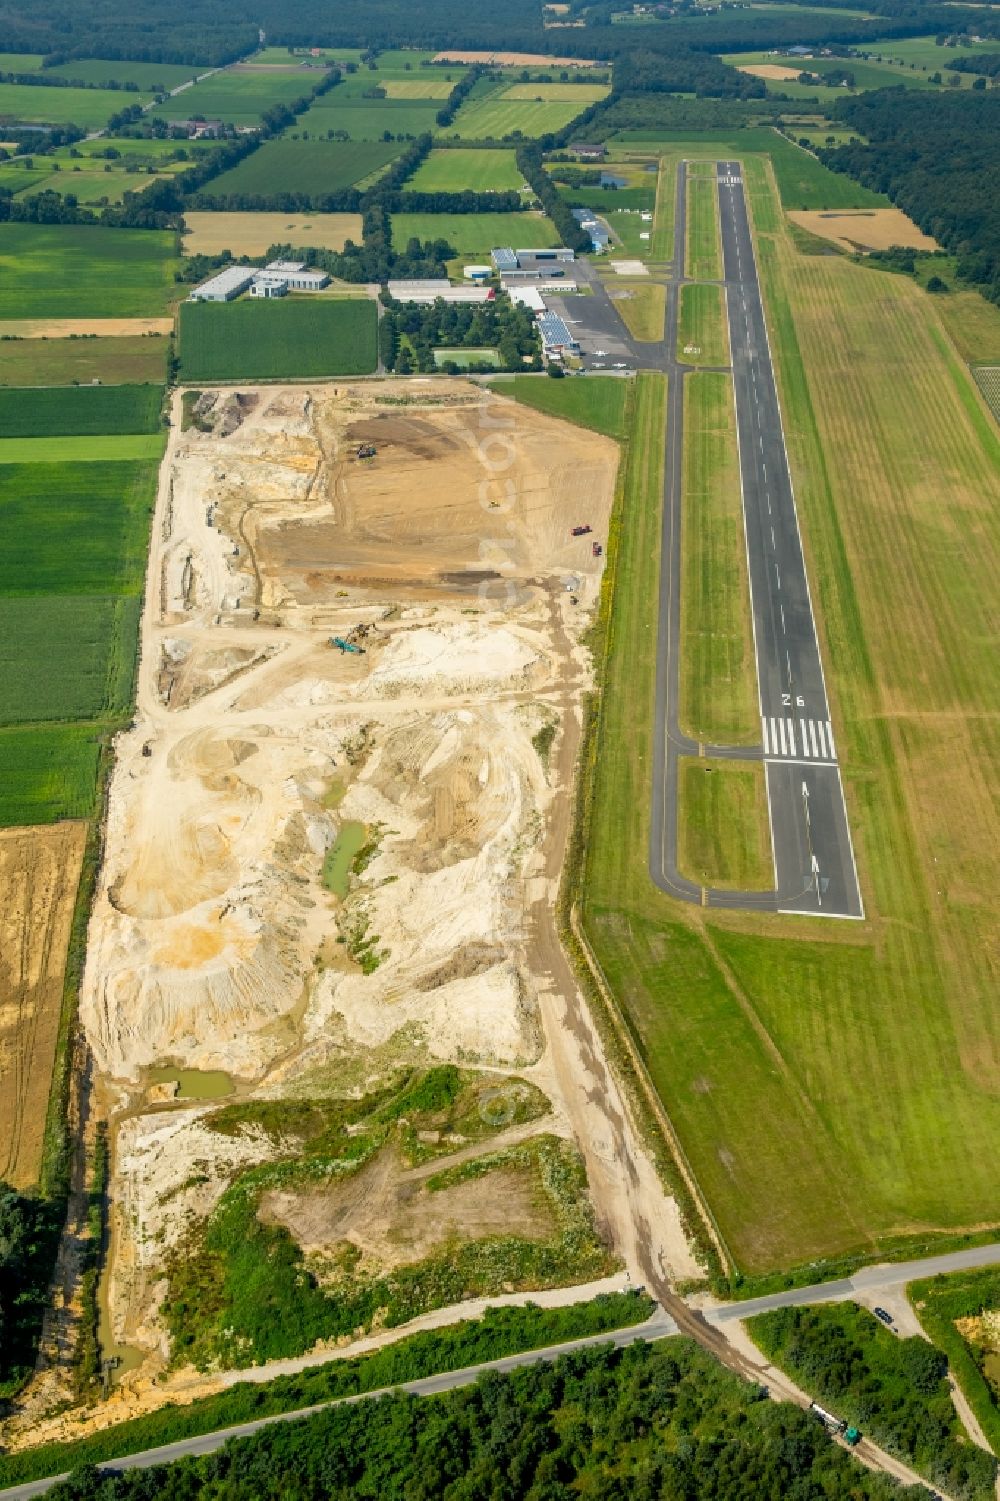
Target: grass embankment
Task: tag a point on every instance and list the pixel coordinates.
(951, 1310)
(718, 701)
(866, 1119)
(895, 1390)
(598, 402)
(702, 335)
(642, 306)
(280, 340)
(501, 1331)
(723, 836)
(703, 256)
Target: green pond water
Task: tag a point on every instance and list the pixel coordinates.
(194, 1083)
(340, 858)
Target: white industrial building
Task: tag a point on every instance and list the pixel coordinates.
(477, 273)
(297, 277)
(268, 286)
(529, 297)
(225, 284)
(430, 289)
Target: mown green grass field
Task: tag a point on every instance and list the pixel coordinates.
(150, 77)
(459, 170)
(702, 325)
(369, 119)
(499, 115)
(285, 339)
(597, 401)
(237, 98)
(22, 103)
(703, 255)
(868, 1115)
(475, 235)
(88, 449)
(84, 271)
(723, 832)
(296, 166)
(642, 305)
(119, 360)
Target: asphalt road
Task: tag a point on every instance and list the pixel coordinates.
(813, 858)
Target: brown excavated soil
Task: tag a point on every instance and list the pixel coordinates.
(39, 874)
(864, 229)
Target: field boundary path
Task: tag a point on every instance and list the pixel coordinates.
(814, 865)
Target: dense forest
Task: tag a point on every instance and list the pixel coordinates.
(658, 1421)
(938, 157)
(28, 1230)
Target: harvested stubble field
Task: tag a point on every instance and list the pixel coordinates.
(896, 1137)
(865, 229)
(257, 748)
(39, 874)
(248, 233)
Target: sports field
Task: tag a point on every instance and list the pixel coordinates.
(461, 170)
(703, 258)
(279, 340)
(237, 98)
(88, 108)
(84, 270)
(867, 1111)
(476, 234)
(297, 166)
(499, 115)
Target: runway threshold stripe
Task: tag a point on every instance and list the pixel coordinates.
(805, 742)
(781, 737)
(829, 736)
(767, 741)
(812, 736)
(822, 738)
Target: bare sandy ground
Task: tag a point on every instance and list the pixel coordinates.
(39, 875)
(864, 229)
(213, 943)
(254, 233)
(64, 328)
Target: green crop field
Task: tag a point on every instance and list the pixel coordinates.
(703, 258)
(498, 115)
(597, 401)
(474, 235)
(20, 62)
(88, 409)
(289, 338)
(368, 119)
(150, 77)
(92, 449)
(84, 271)
(48, 773)
(93, 182)
(702, 336)
(18, 177)
(88, 108)
(582, 94)
(459, 170)
(295, 166)
(237, 98)
(66, 657)
(63, 362)
(608, 199)
(71, 530)
(866, 1116)
(718, 672)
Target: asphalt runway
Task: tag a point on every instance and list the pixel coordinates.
(813, 857)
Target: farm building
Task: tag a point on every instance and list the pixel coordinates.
(504, 259)
(429, 290)
(587, 151)
(556, 337)
(225, 284)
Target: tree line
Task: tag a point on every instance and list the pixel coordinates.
(937, 156)
(659, 1422)
(458, 96)
(530, 164)
(29, 1231)
(500, 324)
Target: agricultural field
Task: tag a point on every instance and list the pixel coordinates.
(48, 772)
(90, 181)
(583, 94)
(703, 255)
(474, 235)
(423, 86)
(867, 75)
(237, 98)
(151, 78)
(902, 546)
(79, 450)
(924, 53)
(39, 875)
(84, 270)
(718, 701)
(702, 337)
(247, 233)
(285, 339)
(498, 115)
(20, 62)
(460, 170)
(69, 361)
(89, 108)
(291, 165)
(368, 119)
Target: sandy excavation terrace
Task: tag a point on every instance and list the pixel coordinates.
(216, 951)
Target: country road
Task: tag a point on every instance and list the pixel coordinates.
(661, 1325)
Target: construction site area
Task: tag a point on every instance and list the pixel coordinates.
(333, 848)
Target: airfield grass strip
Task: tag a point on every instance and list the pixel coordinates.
(500, 1331)
(723, 837)
(704, 253)
(702, 332)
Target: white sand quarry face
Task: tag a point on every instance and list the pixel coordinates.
(214, 944)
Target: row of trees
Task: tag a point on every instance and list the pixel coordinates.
(659, 1422)
(458, 96)
(409, 333)
(937, 156)
(530, 164)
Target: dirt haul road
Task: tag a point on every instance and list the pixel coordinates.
(214, 944)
